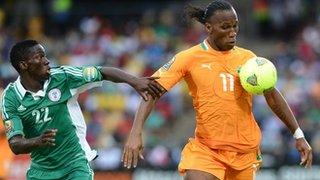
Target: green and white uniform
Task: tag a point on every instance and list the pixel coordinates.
(54, 107)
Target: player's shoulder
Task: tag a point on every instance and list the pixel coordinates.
(10, 89)
(57, 73)
(192, 50)
(57, 70)
(62, 71)
(10, 92)
(188, 55)
(244, 51)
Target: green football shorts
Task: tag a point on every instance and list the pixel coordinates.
(82, 171)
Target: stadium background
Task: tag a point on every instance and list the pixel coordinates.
(141, 36)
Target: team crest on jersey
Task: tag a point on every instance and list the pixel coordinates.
(54, 95)
(8, 126)
(168, 64)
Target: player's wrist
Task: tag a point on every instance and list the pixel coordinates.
(36, 142)
(136, 133)
(132, 81)
(298, 133)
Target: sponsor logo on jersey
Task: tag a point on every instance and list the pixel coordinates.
(8, 124)
(206, 65)
(54, 95)
(21, 108)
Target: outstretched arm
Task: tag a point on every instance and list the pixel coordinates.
(133, 148)
(143, 86)
(280, 107)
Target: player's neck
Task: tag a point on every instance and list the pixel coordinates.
(214, 47)
(31, 84)
(212, 44)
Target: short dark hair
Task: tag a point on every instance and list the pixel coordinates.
(202, 15)
(19, 51)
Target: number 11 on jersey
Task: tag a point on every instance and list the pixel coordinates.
(227, 82)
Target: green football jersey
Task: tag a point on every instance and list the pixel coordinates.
(54, 107)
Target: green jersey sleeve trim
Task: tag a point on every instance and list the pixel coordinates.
(14, 134)
(5, 115)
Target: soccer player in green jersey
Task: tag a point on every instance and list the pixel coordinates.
(42, 116)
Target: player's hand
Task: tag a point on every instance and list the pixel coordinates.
(47, 138)
(148, 85)
(133, 150)
(305, 151)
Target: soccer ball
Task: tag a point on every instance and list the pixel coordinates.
(258, 75)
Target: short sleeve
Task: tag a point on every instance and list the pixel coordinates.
(82, 78)
(12, 122)
(172, 72)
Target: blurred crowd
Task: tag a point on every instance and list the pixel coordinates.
(142, 41)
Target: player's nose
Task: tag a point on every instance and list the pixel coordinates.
(233, 34)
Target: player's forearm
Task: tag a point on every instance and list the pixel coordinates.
(280, 107)
(117, 75)
(142, 114)
(20, 145)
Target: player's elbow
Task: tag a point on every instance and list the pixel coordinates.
(270, 98)
(16, 145)
(15, 149)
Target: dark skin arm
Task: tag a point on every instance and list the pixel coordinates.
(134, 148)
(279, 106)
(21, 145)
(144, 86)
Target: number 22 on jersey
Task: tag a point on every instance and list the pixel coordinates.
(41, 115)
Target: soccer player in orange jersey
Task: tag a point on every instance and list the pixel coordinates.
(227, 137)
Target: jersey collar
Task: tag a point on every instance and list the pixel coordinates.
(21, 91)
(206, 46)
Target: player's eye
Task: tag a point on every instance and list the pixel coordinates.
(40, 56)
(225, 27)
(37, 57)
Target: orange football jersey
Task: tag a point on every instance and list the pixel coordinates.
(224, 118)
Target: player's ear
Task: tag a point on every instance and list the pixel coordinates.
(208, 27)
(23, 65)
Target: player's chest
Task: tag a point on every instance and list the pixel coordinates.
(208, 72)
(37, 111)
(44, 116)
(216, 78)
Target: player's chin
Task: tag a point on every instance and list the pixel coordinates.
(228, 47)
(45, 75)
